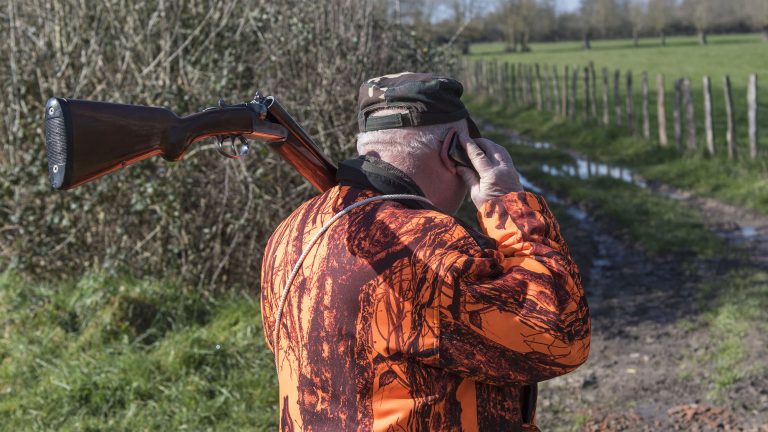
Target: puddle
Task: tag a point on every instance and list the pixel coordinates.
(586, 169)
(577, 214)
(748, 232)
(581, 168)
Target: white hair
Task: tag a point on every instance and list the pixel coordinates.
(407, 141)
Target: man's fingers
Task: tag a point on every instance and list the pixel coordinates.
(477, 156)
(494, 151)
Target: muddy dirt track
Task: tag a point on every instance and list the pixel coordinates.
(642, 374)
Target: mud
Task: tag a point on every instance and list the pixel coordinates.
(634, 377)
(647, 332)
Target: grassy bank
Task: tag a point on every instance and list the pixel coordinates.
(744, 183)
(734, 311)
(108, 353)
(658, 225)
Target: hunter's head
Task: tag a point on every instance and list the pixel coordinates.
(406, 119)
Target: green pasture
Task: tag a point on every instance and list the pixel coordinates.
(737, 56)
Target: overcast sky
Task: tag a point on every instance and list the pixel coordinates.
(567, 5)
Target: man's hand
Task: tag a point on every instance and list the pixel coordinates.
(496, 174)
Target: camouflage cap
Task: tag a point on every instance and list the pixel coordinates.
(428, 99)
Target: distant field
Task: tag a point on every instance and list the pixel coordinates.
(736, 55)
(733, 55)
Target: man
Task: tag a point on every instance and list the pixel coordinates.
(401, 317)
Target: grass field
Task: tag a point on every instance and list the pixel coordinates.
(735, 55)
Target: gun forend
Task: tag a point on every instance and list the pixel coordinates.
(86, 139)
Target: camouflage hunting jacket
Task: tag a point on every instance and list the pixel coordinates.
(403, 318)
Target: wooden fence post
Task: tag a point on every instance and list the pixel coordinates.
(752, 104)
(574, 87)
(566, 95)
(689, 114)
(630, 105)
(505, 83)
(553, 99)
(495, 79)
(545, 84)
(489, 78)
(661, 110)
(593, 90)
(730, 137)
(710, 134)
(529, 85)
(478, 75)
(677, 117)
(548, 90)
(587, 93)
(606, 104)
(617, 97)
(555, 91)
(646, 119)
(483, 77)
(530, 98)
(539, 102)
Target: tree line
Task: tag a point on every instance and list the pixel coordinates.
(517, 22)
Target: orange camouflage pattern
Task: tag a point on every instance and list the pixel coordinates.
(400, 321)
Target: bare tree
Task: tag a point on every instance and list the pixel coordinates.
(527, 12)
(757, 12)
(516, 20)
(638, 16)
(659, 15)
(586, 10)
(509, 23)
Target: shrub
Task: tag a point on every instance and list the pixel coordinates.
(206, 218)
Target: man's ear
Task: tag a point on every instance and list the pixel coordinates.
(449, 164)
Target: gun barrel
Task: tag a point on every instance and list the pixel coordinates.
(299, 149)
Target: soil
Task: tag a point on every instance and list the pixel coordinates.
(635, 378)
(648, 335)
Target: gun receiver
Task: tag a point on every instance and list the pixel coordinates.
(85, 140)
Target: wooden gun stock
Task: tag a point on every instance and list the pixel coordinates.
(85, 140)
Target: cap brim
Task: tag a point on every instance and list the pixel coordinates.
(474, 131)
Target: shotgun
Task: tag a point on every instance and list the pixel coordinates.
(85, 140)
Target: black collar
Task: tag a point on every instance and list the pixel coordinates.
(366, 172)
(374, 174)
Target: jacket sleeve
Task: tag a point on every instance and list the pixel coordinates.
(513, 314)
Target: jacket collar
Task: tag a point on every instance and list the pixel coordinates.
(374, 174)
(366, 172)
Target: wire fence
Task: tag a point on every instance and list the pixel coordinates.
(672, 112)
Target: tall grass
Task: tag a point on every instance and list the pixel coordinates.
(116, 353)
